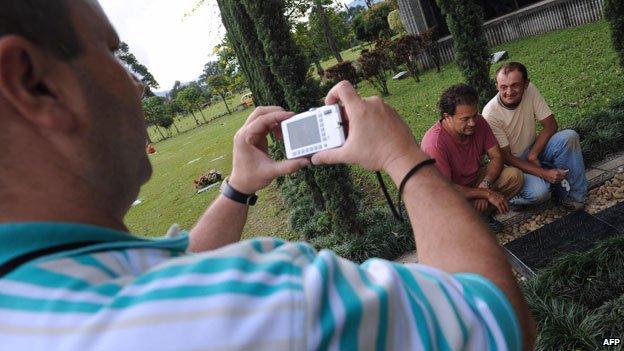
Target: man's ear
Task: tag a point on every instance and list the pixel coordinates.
(28, 86)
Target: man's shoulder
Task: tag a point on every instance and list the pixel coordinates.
(434, 138)
(490, 108)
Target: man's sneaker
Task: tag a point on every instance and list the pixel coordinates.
(572, 204)
(492, 223)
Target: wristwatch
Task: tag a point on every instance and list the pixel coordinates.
(228, 191)
(487, 183)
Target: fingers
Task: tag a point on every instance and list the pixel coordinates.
(260, 111)
(283, 168)
(262, 125)
(329, 157)
(343, 92)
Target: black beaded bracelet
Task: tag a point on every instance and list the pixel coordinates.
(406, 178)
(228, 191)
(398, 213)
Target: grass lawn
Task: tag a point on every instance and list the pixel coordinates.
(575, 69)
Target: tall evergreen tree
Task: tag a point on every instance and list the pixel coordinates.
(614, 13)
(276, 67)
(465, 21)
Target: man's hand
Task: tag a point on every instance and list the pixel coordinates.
(554, 176)
(533, 158)
(498, 201)
(378, 137)
(252, 168)
(481, 205)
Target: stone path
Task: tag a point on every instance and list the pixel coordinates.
(606, 183)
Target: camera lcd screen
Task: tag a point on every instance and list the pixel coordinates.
(304, 132)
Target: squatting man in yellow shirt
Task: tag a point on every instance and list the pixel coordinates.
(547, 159)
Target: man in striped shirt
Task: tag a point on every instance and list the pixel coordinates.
(72, 161)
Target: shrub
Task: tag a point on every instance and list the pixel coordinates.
(373, 69)
(579, 300)
(394, 21)
(602, 133)
(614, 14)
(406, 49)
(342, 71)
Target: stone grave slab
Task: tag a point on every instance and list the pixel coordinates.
(579, 231)
(614, 216)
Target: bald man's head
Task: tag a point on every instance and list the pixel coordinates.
(45, 23)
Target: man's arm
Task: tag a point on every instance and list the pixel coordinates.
(448, 233)
(552, 176)
(252, 170)
(549, 129)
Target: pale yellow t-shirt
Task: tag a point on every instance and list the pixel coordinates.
(516, 128)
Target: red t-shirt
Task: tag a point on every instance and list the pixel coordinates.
(457, 160)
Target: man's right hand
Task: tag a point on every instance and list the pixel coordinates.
(554, 176)
(498, 201)
(378, 139)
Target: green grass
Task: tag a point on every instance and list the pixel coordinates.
(575, 69)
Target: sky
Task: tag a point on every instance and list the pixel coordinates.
(172, 46)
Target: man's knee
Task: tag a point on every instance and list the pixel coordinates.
(568, 139)
(510, 181)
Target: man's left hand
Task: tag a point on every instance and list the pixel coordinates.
(252, 168)
(533, 158)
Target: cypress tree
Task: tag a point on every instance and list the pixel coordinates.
(262, 40)
(465, 21)
(614, 13)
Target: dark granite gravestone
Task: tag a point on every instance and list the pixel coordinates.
(579, 231)
(614, 216)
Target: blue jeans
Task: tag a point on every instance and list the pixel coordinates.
(563, 151)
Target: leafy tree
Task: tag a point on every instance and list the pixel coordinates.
(394, 22)
(173, 93)
(429, 44)
(137, 68)
(373, 69)
(465, 21)
(220, 84)
(191, 99)
(373, 24)
(156, 113)
(308, 46)
(406, 49)
(320, 19)
(614, 13)
(342, 71)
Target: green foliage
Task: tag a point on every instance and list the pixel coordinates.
(373, 69)
(156, 112)
(331, 29)
(406, 50)
(394, 22)
(579, 299)
(373, 24)
(465, 21)
(614, 14)
(429, 43)
(221, 85)
(602, 132)
(342, 71)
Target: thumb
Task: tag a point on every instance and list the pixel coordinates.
(328, 157)
(283, 168)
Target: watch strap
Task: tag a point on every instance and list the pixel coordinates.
(228, 191)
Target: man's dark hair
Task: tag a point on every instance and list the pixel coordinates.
(45, 23)
(460, 94)
(513, 66)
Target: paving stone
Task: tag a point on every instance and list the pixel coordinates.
(593, 173)
(612, 165)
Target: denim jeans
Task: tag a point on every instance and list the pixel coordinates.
(563, 151)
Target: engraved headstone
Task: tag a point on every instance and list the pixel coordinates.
(576, 232)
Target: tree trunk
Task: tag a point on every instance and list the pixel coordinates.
(159, 132)
(225, 102)
(201, 111)
(319, 68)
(329, 36)
(194, 117)
(176, 126)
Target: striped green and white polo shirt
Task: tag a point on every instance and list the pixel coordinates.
(122, 292)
